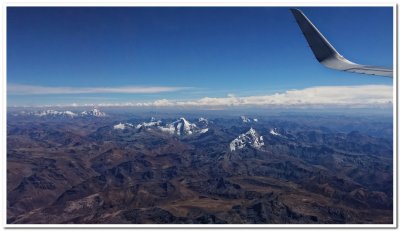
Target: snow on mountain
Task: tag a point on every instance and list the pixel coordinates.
(182, 127)
(178, 127)
(95, 112)
(123, 126)
(251, 138)
(274, 132)
(152, 123)
(203, 120)
(54, 113)
(202, 123)
(204, 130)
(246, 119)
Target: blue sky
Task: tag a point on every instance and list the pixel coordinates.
(91, 55)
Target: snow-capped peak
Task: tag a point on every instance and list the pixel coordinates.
(152, 123)
(182, 119)
(179, 127)
(95, 112)
(202, 122)
(251, 132)
(54, 113)
(119, 126)
(274, 132)
(251, 138)
(182, 127)
(246, 119)
(123, 126)
(201, 119)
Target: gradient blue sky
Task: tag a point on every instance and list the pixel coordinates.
(211, 52)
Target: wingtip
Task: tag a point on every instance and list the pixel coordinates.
(295, 10)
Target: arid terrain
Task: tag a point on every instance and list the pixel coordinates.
(94, 167)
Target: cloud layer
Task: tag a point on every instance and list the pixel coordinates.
(342, 96)
(16, 89)
(365, 95)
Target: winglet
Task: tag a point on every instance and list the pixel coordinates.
(320, 46)
(327, 55)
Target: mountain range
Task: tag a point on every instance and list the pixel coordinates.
(59, 114)
(178, 127)
(199, 170)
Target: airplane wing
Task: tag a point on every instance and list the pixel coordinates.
(327, 55)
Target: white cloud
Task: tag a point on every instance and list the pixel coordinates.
(368, 95)
(162, 102)
(16, 89)
(346, 96)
